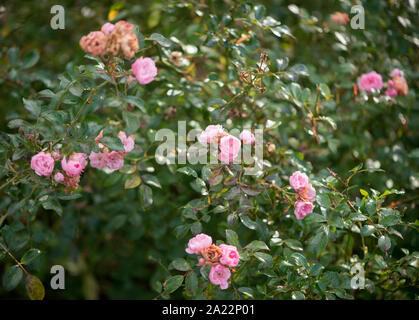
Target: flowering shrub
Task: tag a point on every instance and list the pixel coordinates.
(277, 137)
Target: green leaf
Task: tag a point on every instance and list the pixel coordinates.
(173, 283)
(298, 259)
(363, 192)
(248, 222)
(265, 258)
(180, 264)
(151, 180)
(115, 223)
(414, 153)
(131, 121)
(32, 106)
(319, 242)
(294, 244)
(390, 220)
(13, 56)
(16, 123)
(367, 230)
(323, 200)
(384, 243)
(232, 238)
(191, 283)
(12, 277)
(215, 178)
(181, 230)
(135, 101)
(251, 191)
(282, 63)
(161, 40)
(188, 171)
(247, 292)
(30, 59)
(297, 295)
(53, 204)
(146, 196)
(69, 196)
(329, 120)
(324, 90)
(113, 143)
(316, 269)
(257, 245)
(30, 256)
(132, 181)
(196, 227)
(34, 288)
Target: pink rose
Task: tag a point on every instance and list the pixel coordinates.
(144, 70)
(212, 134)
(308, 193)
(339, 18)
(230, 145)
(59, 177)
(225, 157)
(230, 255)
(115, 160)
(395, 73)
(219, 276)
(42, 163)
(128, 142)
(303, 208)
(400, 84)
(124, 25)
(298, 181)
(80, 158)
(197, 243)
(75, 164)
(391, 92)
(369, 81)
(97, 160)
(107, 28)
(94, 43)
(247, 137)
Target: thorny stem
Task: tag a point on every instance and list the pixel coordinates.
(6, 250)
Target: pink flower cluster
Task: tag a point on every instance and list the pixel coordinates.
(369, 81)
(43, 163)
(120, 38)
(73, 168)
(220, 258)
(114, 160)
(306, 194)
(339, 18)
(144, 70)
(229, 145)
(112, 39)
(396, 86)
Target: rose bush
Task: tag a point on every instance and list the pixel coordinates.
(332, 191)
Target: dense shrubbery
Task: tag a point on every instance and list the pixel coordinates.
(335, 189)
